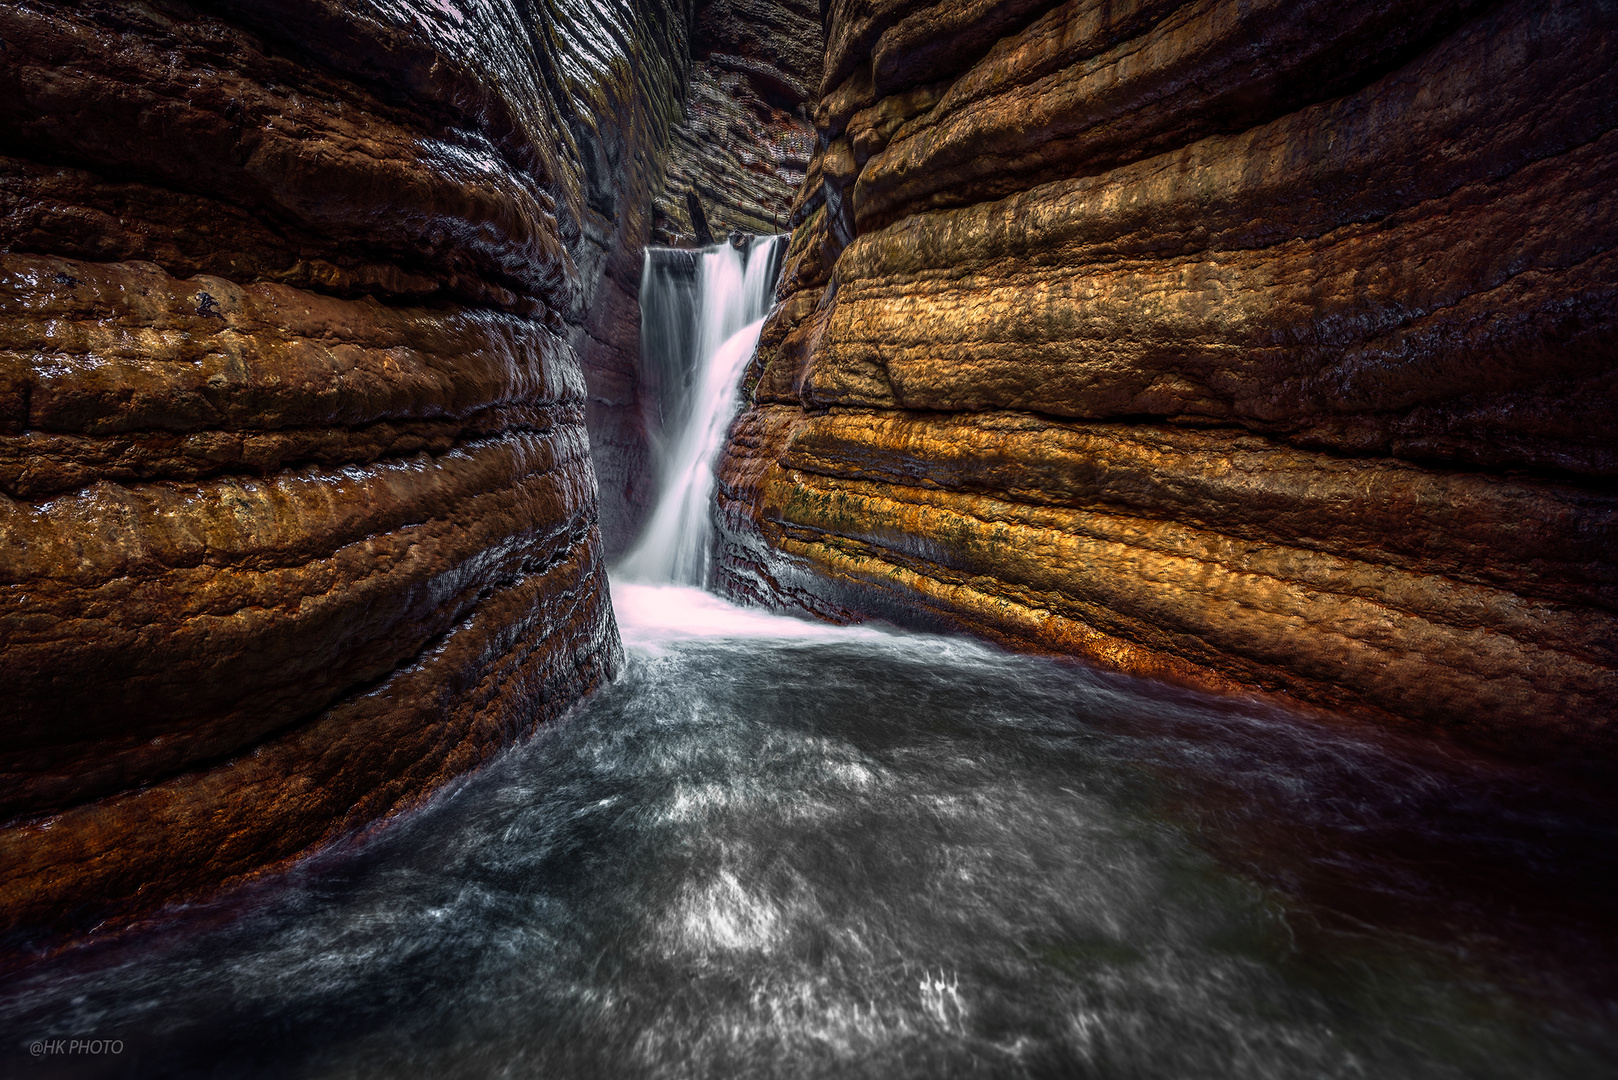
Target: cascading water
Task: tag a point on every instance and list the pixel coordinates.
(704, 312)
(774, 848)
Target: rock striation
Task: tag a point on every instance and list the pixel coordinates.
(297, 514)
(1261, 346)
(746, 138)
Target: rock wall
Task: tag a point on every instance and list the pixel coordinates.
(746, 139)
(297, 516)
(1263, 346)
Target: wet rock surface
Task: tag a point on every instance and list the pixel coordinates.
(741, 153)
(297, 515)
(1263, 346)
(746, 138)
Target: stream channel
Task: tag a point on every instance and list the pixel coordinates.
(775, 848)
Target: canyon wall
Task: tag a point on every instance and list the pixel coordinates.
(1258, 346)
(747, 137)
(297, 515)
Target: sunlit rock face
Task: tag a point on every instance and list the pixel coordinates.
(1266, 346)
(297, 516)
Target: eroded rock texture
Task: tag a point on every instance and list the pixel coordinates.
(746, 139)
(297, 517)
(1262, 346)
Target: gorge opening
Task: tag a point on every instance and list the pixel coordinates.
(775, 847)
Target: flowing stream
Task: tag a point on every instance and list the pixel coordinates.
(774, 848)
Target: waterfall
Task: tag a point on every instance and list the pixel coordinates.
(779, 848)
(701, 316)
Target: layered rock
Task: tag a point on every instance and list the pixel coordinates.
(739, 154)
(1259, 346)
(746, 140)
(297, 515)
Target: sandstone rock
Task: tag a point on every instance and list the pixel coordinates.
(297, 516)
(1260, 346)
(745, 139)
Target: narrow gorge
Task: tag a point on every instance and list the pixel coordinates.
(739, 538)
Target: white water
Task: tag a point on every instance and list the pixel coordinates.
(734, 291)
(775, 848)
(651, 616)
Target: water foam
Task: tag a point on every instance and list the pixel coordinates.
(700, 393)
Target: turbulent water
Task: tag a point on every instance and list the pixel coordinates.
(776, 849)
(780, 849)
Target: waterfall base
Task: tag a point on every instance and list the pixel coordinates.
(781, 849)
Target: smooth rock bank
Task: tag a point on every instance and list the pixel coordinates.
(297, 514)
(1258, 346)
